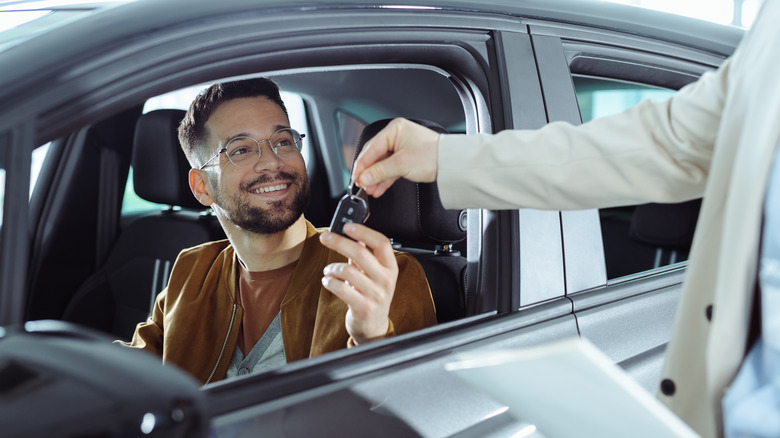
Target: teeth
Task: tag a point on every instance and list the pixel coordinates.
(271, 188)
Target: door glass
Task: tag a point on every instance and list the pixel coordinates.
(350, 128)
(602, 97)
(636, 238)
(38, 156)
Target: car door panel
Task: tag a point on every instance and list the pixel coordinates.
(419, 398)
(633, 331)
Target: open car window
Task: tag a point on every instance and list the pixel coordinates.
(137, 260)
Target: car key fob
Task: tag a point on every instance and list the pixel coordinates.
(351, 208)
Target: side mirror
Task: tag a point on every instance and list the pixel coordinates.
(59, 379)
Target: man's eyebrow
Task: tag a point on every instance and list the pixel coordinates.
(246, 134)
(235, 136)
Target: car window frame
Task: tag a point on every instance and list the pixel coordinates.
(632, 64)
(16, 146)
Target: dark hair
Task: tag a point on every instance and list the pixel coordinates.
(192, 129)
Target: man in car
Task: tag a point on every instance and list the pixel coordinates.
(716, 138)
(277, 290)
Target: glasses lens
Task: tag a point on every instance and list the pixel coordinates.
(242, 150)
(285, 142)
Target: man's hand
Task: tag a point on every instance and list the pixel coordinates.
(366, 283)
(403, 149)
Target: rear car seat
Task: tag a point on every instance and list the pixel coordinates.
(412, 215)
(120, 294)
(647, 236)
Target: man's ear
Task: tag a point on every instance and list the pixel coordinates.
(199, 187)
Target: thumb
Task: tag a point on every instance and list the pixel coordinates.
(385, 169)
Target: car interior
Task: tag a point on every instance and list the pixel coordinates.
(109, 276)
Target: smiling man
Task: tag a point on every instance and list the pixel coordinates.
(277, 290)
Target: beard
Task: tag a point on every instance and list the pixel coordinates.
(277, 216)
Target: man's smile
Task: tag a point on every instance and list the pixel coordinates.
(270, 185)
(270, 189)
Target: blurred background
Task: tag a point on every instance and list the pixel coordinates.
(739, 13)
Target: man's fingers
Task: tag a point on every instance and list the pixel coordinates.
(377, 166)
(381, 188)
(377, 242)
(366, 283)
(379, 161)
(345, 292)
(372, 268)
(360, 286)
(377, 148)
(402, 149)
(377, 245)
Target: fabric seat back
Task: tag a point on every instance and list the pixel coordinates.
(120, 294)
(411, 214)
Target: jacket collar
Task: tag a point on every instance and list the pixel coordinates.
(312, 256)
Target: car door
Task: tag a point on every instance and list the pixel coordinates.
(626, 310)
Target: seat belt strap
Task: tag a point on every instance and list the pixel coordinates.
(108, 204)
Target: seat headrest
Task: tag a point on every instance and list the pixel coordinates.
(666, 225)
(411, 212)
(160, 169)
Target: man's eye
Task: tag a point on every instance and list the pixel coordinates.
(240, 150)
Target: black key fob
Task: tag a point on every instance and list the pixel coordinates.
(351, 208)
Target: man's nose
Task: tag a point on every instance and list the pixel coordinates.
(268, 160)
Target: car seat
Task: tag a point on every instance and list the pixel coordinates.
(411, 214)
(120, 294)
(647, 236)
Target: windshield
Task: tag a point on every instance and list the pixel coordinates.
(22, 20)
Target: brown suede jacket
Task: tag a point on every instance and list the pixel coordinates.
(196, 319)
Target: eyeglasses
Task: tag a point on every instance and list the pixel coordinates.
(244, 151)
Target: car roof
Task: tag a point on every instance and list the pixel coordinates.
(66, 49)
(109, 24)
(25, 19)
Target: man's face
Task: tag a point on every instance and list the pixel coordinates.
(268, 196)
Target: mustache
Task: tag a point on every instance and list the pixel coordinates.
(265, 179)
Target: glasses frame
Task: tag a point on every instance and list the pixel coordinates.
(298, 145)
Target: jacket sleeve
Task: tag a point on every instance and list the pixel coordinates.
(652, 152)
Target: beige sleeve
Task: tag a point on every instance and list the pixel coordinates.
(654, 151)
